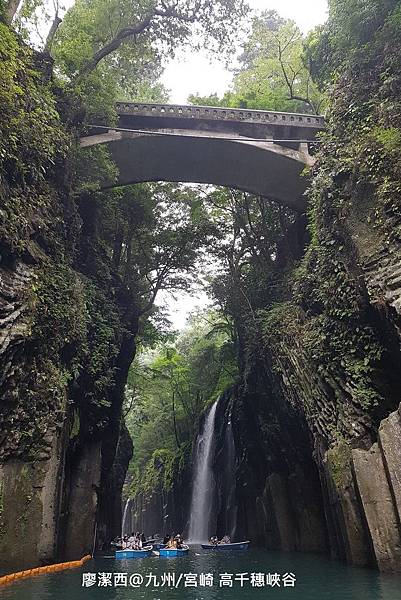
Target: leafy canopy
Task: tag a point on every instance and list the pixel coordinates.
(273, 74)
(95, 29)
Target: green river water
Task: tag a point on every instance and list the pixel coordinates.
(317, 578)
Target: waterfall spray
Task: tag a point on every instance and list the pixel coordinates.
(125, 517)
(203, 484)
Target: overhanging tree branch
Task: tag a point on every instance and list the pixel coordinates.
(115, 43)
(52, 33)
(131, 31)
(53, 29)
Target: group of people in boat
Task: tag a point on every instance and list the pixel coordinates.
(173, 542)
(136, 541)
(224, 540)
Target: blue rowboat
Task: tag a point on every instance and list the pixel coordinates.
(235, 546)
(129, 553)
(158, 546)
(174, 552)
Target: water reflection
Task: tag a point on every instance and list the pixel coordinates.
(317, 579)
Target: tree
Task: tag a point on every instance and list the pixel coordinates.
(254, 240)
(151, 234)
(273, 73)
(109, 49)
(99, 29)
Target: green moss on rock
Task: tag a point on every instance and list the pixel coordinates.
(339, 459)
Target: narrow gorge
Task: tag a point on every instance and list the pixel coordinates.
(274, 414)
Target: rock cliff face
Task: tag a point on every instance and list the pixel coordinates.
(380, 495)
(67, 337)
(62, 466)
(317, 413)
(287, 496)
(161, 512)
(279, 499)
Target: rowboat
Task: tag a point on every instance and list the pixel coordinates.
(129, 553)
(174, 552)
(234, 546)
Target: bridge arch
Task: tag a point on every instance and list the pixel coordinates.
(245, 155)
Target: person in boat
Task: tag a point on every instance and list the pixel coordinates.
(131, 541)
(124, 542)
(143, 538)
(179, 541)
(214, 540)
(166, 539)
(171, 544)
(225, 540)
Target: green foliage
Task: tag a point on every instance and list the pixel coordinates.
(32, 140)
(57, 295)
(282, 318)
(104, 338)
(363, 139)
(148, 236)
(131, 73)
(97, 52)
(31, 136)
(167, 391)
(349, 36)
(389, 137)
(162, 471)
(94, 25)
(339, 460)
(92, 168)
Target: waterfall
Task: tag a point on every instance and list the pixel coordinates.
(203, 484)
(125, 517)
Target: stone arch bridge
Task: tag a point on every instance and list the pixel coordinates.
(261, 152)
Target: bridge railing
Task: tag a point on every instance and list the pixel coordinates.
(221, 114)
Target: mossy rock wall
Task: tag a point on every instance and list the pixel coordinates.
(67, 324)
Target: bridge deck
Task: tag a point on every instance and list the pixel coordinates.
(220, 114)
